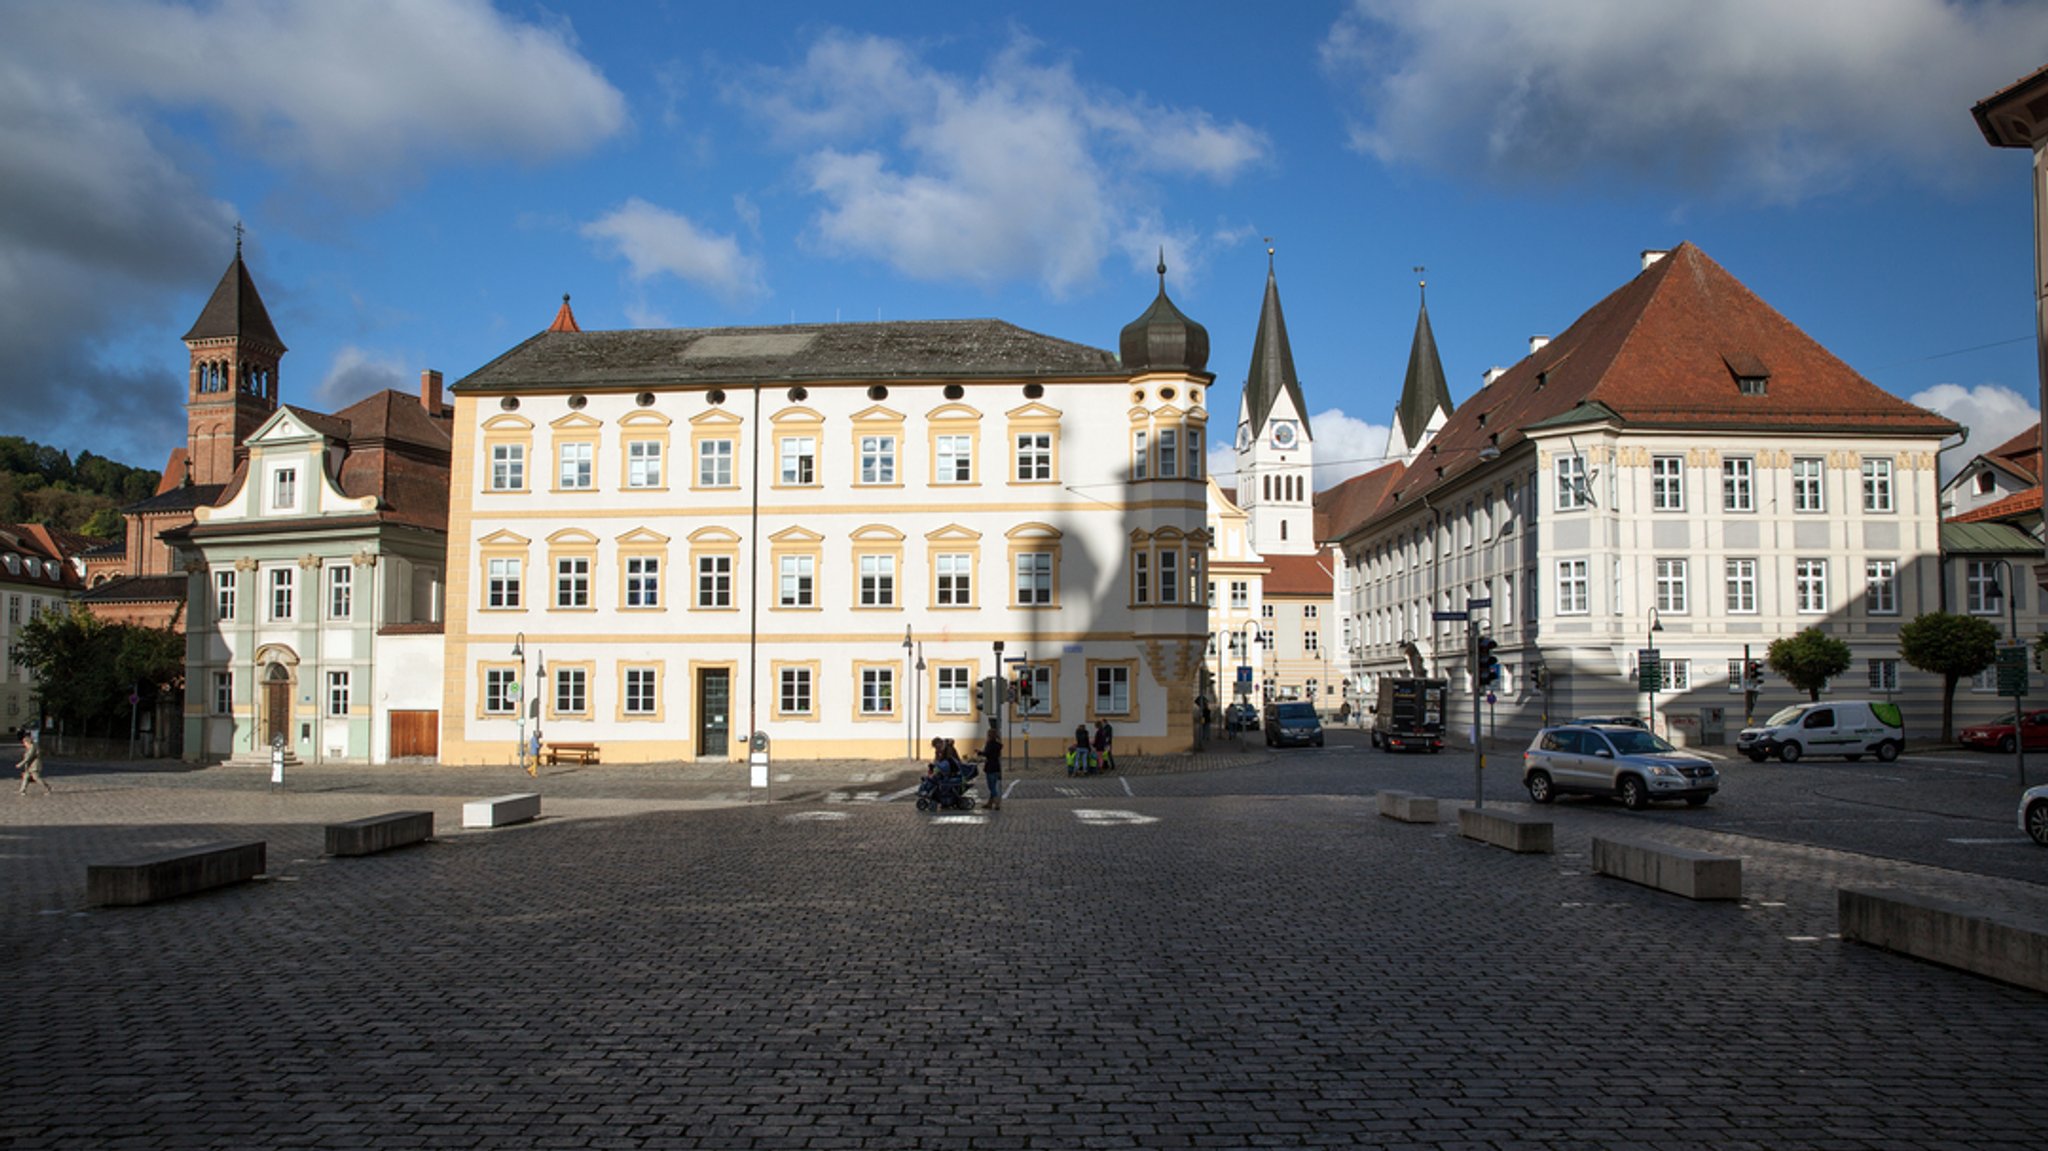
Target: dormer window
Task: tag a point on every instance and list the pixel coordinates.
(1985, 483)
(1751, 385)
(1752, 378)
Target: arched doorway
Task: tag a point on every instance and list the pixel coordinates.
(277, 706)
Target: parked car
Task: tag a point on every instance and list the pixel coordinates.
(1624, 720)
(1293, 723)
(1850, 728)
(1240, 717)
(2034, 813)
(1612, 759)
(1998, 734)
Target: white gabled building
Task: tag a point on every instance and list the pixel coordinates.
(1681, 467)
(828, 534)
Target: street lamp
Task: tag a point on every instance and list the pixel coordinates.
(2012, 626)
(540, 688)
(519, 694)
(1650, 694)
(909, 732)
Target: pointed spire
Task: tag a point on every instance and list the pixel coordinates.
(1272, 370)
(235, 310)
(1425, 392)
(565, 320)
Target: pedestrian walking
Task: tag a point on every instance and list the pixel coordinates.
(992, 767)
(32, 761)
(1105, 759)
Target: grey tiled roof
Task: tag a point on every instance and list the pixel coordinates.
(182, 498)
(909, 349)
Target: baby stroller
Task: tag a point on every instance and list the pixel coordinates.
(945, 787)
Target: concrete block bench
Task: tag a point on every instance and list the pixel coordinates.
(1516, 832)
(174, 873)
(1950, 934)
(1679, 870)
(1407, 807)
(502, 810)
(375, 833)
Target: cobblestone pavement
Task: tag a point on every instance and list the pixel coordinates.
(672, 963)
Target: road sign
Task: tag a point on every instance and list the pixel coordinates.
(1450, 615)
(1244, 674)
(1649, 670)
(1476, 604)
(2012, 669)
(1490, 698)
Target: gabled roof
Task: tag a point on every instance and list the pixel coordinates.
(2022, 453)
(903, 349)
(178, 499)
(1311, 575)
(235, 310)
(138, 589)
(1272, 369)
(1663, 352)
(2016, 504)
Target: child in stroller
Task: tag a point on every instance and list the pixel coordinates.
(945, 781)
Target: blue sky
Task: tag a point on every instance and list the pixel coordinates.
(421, 180)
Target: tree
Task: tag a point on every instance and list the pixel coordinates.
(1808, 660)
(85, 667)
(105, 524)
(1951, 646)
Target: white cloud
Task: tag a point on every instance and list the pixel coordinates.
(1345, 447)
(1993, 413)
(355, 374)
(1752, 99)
(1021, 171)
(656, 242)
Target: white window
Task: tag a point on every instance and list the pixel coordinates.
(1986, 680)
(797, 587)
(640, 690)
(283, 585)
(1308, 611)
(956, 579)
(1194, 453)
(877, 581)
(1572, 492)
(572, 581)
(714, 582)
(1677, 674)
(285, 489)
(1982, 594)
(1034, 578)
(1877, 485)
(572, 691)
(1311, 641)
(643, 581)
(501, 687)
(1738, 484)
(799, 463)
(1240, 594)
(1169, 453)
(1807, 491)
(502, 582)
(1507, 508)
(576, 465)
(224, 584)
(714, 464)
(223, 693)
(1884, 675)
(1141, 577)
(1671, 597)
(1810, 586)
(1574, 592)
(954, 695)
(878, 459)
(341, 591)
(1735, 675)
(1141, 455)
(1741, 586)
(643, 464)
(508, 467)
(337, 693)
(1881, 586)
(1113, 690)
(1169, 576)
(1667, 483)
(877, 691)
(1034, 456)
(1506, 609)
(956, 460)
(794, 687)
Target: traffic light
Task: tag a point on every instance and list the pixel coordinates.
(1489, 664)
(994, 693)
(1539, 677)
(1753, 675)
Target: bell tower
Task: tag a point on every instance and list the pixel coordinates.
(1275, 449)
(233, 384)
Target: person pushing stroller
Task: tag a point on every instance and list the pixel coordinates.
(945, 781)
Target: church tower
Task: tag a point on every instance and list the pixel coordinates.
(1275, 451)
(233, 384)
(1425, 398)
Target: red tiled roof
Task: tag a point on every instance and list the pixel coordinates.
(1349, 504)
(565, 320)
(1664, 351)
(2018, 503)
(2022, 452)
(1299, 575)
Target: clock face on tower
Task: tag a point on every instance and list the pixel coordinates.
(1284, 433)
(1244, 437)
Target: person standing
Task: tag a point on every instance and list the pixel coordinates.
(32, 762)
(992, 767)
(1105, 760)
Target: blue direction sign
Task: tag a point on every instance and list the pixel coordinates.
(1451, 615)
(1244, 674)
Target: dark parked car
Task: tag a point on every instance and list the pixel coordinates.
(1293, 724)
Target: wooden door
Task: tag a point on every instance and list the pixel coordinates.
(415, 734)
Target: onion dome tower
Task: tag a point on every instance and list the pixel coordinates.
(1164, 340)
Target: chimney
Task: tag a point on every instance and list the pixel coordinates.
(1652, 255)
(1538, 343)
(430, 393)
(1491, 374)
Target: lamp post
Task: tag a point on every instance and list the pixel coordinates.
(909, 732)
(540, 687)
(519, 695)
(1649, 684)
(2012, 628)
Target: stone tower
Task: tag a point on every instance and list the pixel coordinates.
(1275, 450)
(233, 384)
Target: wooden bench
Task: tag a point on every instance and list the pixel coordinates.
(1678, 870)
(1951, 934)
(1523, 833)
(376, 833)
(569, 753)
(174, 873)
(1408, 807)
(502, 810)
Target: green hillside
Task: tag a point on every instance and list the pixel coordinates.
(45, 485)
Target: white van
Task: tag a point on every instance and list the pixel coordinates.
(1850, 728)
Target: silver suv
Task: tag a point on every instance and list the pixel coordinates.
(1628, 763)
